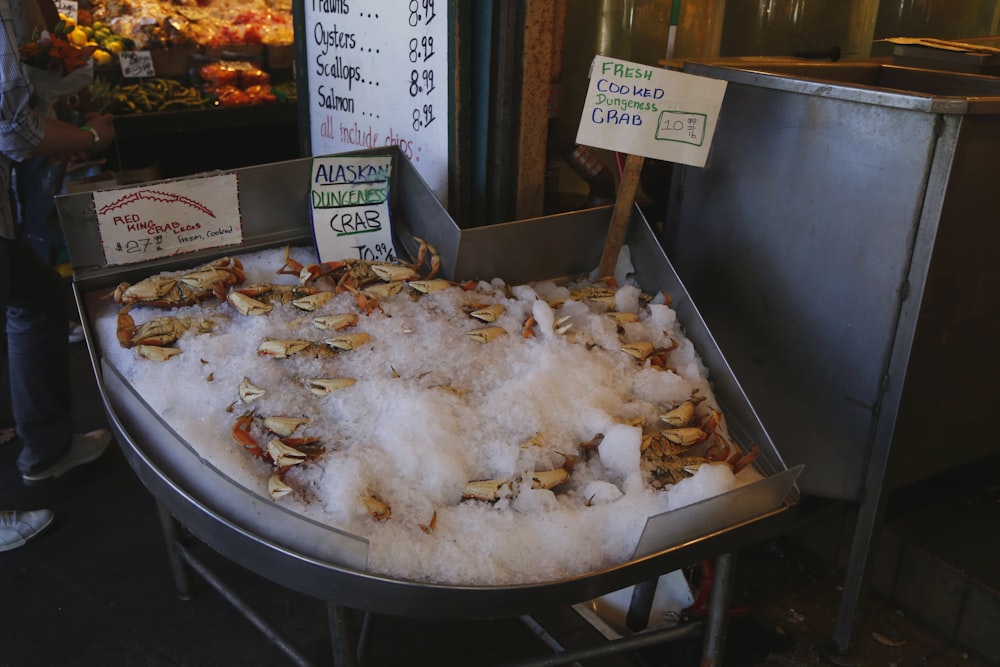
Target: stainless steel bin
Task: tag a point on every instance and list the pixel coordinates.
(841, 244)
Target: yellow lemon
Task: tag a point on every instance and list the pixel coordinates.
(114, 46)
(77, 37)
(101, 57)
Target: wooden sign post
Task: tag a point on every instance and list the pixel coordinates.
(646, 112)
(621, 214)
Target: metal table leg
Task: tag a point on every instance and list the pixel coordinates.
(181, 560)
(643, 593)
(171, 536)
(718, 612)
(341, 637)
(241, 605)
(346, 646)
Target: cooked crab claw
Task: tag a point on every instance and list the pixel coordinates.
(640, 349)
(312, 302)
(276, 486)
(679, 416)
(324, 386)
(336, 322)
(548, 479)
(249, 392)
(378, 509)
(686, 436)
(430, 286)
(488, 313)
(284, 426)
(156, 353)
(247, 305)
(284, 455)
(485, 489)
(348, 341)
(486, 334)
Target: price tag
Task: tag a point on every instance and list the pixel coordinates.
(67, 8)
(652, 112)
(163, 219)
(136, 64)
(350, 208)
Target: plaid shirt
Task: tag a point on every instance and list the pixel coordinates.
(21, 129)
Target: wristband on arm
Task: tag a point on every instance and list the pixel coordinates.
(97, 137)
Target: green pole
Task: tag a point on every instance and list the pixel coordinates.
(675, 16)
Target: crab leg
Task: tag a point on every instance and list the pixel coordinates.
(241, 434)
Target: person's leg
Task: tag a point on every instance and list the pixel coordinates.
(37, 181)
(38, 354)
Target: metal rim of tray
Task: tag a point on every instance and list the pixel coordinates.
(386, 595)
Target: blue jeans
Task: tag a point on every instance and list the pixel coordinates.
(38, 354)
(36, 182)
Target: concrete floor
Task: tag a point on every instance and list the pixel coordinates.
(97, 588)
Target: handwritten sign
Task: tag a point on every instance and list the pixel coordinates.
(163, 219)
(378, 76)
(136, 64)
(67, 8)
(350, 208)
(652, 112)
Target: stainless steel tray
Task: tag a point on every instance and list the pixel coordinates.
(327, 563)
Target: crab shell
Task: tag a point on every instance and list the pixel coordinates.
(211, 279)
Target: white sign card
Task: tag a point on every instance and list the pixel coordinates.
(650, 111)
(172, 218)
(136, 64)
(378, 76)
(67, 8)
(350, 208)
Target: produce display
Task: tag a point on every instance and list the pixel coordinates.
(144, 96)
(70, 45)
(162, 94)
(473, 433)
(186, 41)
(212, 23)
(237, 83)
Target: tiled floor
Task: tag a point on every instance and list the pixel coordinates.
(97, 590)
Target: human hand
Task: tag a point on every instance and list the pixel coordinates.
(103, 124)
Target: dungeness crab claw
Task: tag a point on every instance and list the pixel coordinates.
(249, 392)
(336, 322)
(378, 509)
(284, 348)
(324, 386)
(486, 334)
(347, 341)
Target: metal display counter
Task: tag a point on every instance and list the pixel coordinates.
(842, 245)
(323, 562)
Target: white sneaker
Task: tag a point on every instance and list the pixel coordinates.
(86, 447)
(16, 528)
(75, 332)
